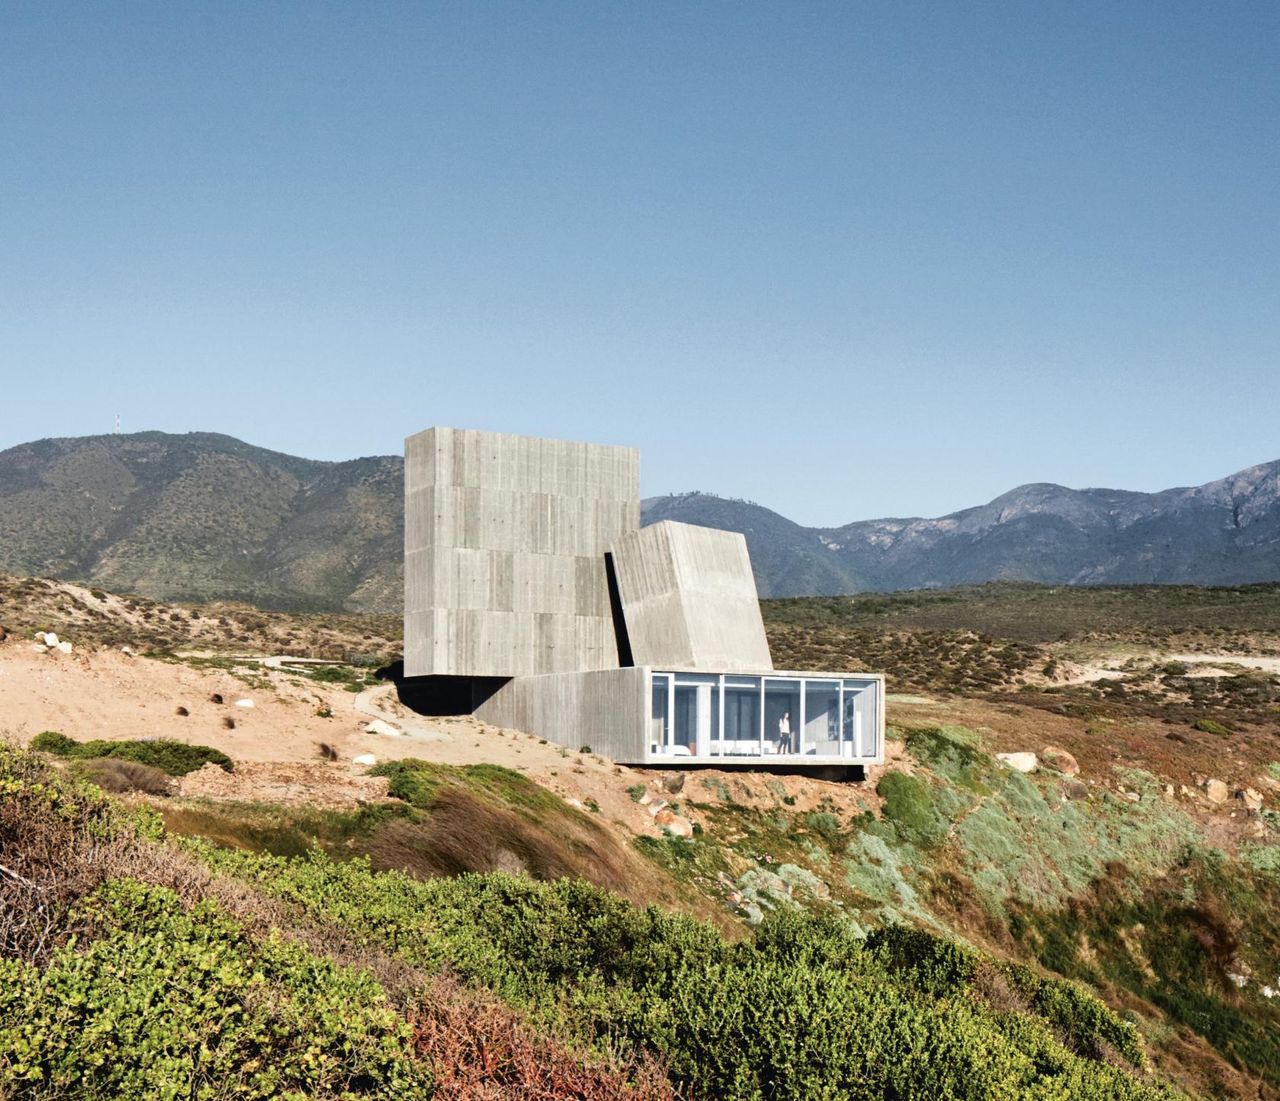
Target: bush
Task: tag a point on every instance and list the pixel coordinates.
(171, 757)
(1210, 726)
(162, 1003)
(910, 807)
(52, 741)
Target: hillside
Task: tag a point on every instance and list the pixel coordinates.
(207, 517)
(442, 892)
(203, 516)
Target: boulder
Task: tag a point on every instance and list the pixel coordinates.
(1019, 762)
(674, 782)
(40, 648)
(1074, 789)
(664, 817)
(1216, 791)
(244, 703)
(657, 807)
(1251, 798)
(1060, 760)
(377, 726)
(364, 759)
(63, 647)
(678, 827)
(49, 639)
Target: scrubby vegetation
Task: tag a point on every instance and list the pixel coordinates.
(138, 967)
(171, 757)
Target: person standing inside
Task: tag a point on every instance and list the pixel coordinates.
(784, 733)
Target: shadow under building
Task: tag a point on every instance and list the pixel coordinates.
(535, 601)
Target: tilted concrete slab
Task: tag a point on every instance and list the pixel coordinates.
(504, 552)
(689, 599)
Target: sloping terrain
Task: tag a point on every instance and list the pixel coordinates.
(1140, 858)
(207, 517)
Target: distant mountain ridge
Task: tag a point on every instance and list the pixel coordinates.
(1226, 532)
(204, 516)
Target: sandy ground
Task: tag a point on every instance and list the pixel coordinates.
(105, 693)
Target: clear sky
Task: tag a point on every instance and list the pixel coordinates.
(847, 260)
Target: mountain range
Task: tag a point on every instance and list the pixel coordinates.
(204, 516)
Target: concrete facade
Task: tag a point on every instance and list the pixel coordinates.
(689, 599)
(534, 600)
(504, 537)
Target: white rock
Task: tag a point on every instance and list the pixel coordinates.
(127, 650)
(244, 703)
(379, 727)
(40, 648)
(64, 647)
(49, 639)
(364, 759)
(1020, 762)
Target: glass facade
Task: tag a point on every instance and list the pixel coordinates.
(705, 715)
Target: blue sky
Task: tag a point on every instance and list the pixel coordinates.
(847, 260)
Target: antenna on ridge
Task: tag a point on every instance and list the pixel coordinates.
(117, 424)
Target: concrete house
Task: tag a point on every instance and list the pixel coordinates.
(534, 600)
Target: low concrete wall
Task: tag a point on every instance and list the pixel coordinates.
(605, 709)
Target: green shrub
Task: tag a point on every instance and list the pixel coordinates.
(1211, 726)
(52, 741)
(411, 780)
(910, 807)
(171, 757)
(163, 1003)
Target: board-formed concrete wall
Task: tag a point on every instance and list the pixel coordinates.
(689, 599)
(504, 552)
(606, 710)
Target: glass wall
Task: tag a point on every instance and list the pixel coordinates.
(708, 715)
(685, 714)
(822, 718)
(781, 716)
(659, 711)
(741, 717)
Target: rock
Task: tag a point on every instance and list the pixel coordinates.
(49, 639)
(645, 799)
(664, 817)
(127, 650)
(1074, 789)
(244, 703)
(64, 647)
(657, 807)
(679, 827)
(377, 726)
(1131, 796)
(1169, 791)
(1019, 762)
(40, 648)
(364, 759)
(1216, 791)
(4, 634)
(1060, 760)
(1251, 798)
(674, 782)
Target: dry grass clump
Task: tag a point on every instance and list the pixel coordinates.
(481, 1050)
(121, 777)
(464, 833)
